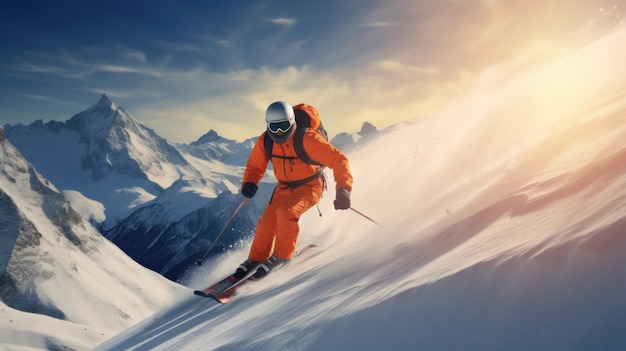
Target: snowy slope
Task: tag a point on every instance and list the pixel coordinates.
(62, 285)
(504, 221)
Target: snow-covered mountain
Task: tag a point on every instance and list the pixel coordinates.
(347, 142)
(503, 221)
(171, 247)
(57, 272)
(103, 159)
(189, 214)
(212, 147)
(115, 141)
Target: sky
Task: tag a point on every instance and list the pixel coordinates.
(510, 238)
(185, 67)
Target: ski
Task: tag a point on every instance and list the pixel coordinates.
(224, 290)
(223, 286)
(225, 296)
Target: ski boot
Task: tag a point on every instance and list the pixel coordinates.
(271, 264)
(245, 268)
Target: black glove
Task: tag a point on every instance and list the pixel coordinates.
(249, 189)
(342, 199)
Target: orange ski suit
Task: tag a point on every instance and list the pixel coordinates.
(278, 226)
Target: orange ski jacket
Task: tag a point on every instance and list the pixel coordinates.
(290, 168)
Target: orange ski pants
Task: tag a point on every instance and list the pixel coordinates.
(278, 227)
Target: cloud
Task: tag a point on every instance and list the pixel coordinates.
(47, 99)
(113, 68)
(400, 68)
(130, 93)
(130, 53)
(78, 65)
(286, 22)
(232, 103)
(379, 24)
(179, 46)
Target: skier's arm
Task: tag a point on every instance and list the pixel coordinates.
(322, 151)
(257, 163)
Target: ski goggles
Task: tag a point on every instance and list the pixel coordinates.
(280, 126)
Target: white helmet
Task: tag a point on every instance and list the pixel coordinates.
(281, 121)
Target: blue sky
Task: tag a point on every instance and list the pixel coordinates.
(184, 67)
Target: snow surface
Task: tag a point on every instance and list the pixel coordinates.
(504, 221)
(503, 229)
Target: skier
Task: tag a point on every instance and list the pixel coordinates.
(300, 185)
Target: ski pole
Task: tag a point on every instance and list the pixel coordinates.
(199, 261)
(371, 220)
